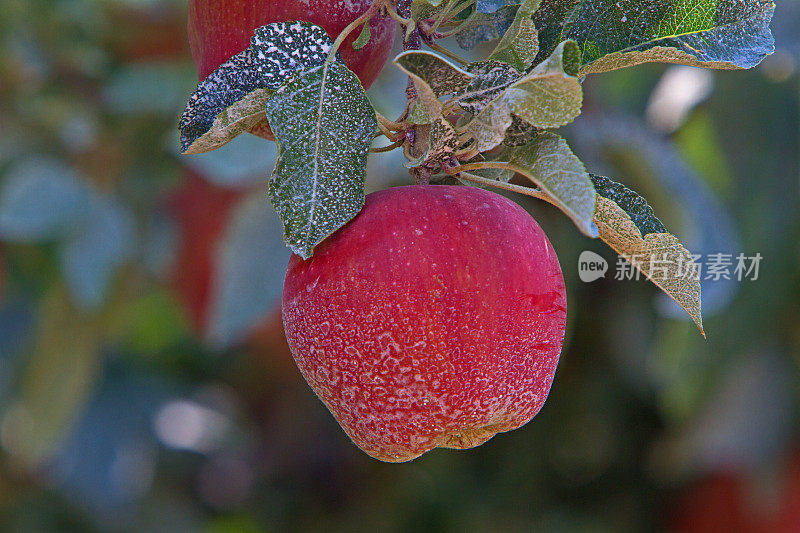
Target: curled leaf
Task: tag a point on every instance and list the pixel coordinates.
(627, 224)
(231, 99)
(443, 77)
(548, 97)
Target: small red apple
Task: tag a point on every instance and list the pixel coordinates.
(218, 29)
(717, 502)
(202, 212)
(435, 318)
(146, 32)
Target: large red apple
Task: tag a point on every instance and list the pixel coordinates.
(435, 318)
(218, 29)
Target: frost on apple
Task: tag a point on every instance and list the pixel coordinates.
(434, 319)
(433, 316)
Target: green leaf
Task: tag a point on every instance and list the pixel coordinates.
(424, 9)
(231, 99)
(57, 381)
(520, 44)
(549, 97)
(443, 77)
(628, 225)
(550, 19)
(550, 165)
(424, 68)
(483, 27)
(724, 34)
(324, 125)
(363, 37)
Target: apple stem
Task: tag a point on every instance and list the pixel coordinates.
(405, 22)
(368, 14)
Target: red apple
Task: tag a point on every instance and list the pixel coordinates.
(202, 212)
(435, 318)
(717, 502)
(218, 29)
(146, 32)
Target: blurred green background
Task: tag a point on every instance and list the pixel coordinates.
(145, 384)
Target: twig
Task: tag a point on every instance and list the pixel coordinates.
(388, 148)
(448, 53)
(527, 191)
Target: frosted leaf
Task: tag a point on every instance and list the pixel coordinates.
(443, 77)
(231, 99)
(489, 80)
(550, 164)
(724, 34)
(551, 95)
(520, 44)
(486, 27)
(324, 125)
(548, 97)
(628, 225)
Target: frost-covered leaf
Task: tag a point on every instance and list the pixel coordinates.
(427, 107)
(551, 95)
(40, 199)
(627, 224)
(550, 19)
(618, 143)
(519, 133)
(486, 27)
(251, 264)
(489, 127)
(423, 9)
(95, 249)
(710, 33)
(520, 44)
(324, 124)
(548, 97)
(443, 77)
(489, 80)
(231, 99)
(550, 165)
(490, 6)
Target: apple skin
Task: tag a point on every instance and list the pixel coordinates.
(218, 29)
(435, 318)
